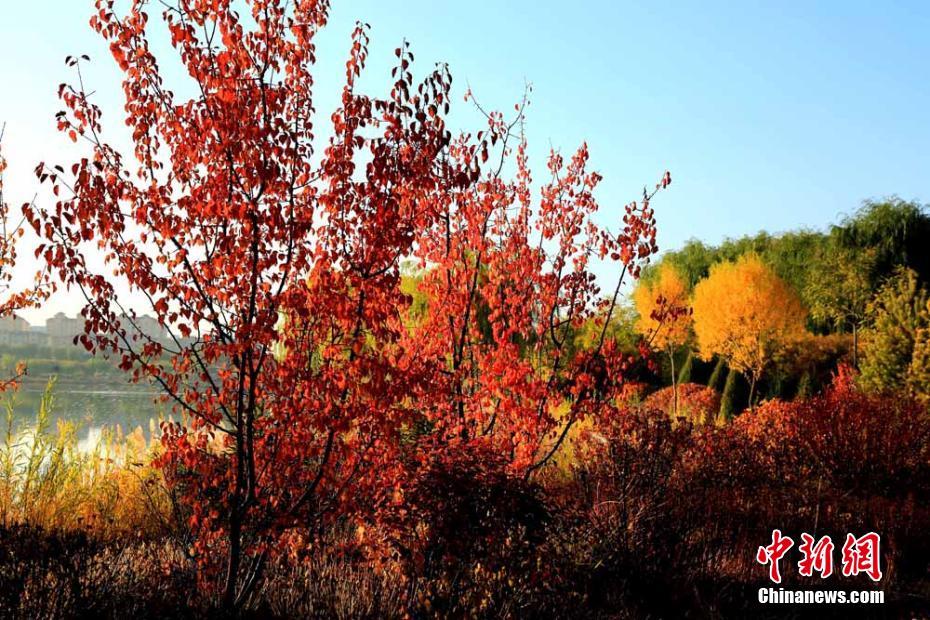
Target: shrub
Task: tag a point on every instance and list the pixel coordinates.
(466, 533)
(843, 461)
(697, 403)
(624, 538)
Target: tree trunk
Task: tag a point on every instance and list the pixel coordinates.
(684, 373)
(727, 398)
(233, 560)
(752, 392)
(714, 380)
(234, 556)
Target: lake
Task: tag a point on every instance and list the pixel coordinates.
(92, 402)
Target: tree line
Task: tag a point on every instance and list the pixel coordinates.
(794, 305)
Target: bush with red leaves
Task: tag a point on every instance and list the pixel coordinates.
(466, 535)
(843, 461)
(696, 403)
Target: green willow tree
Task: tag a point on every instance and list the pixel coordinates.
(896, 229)
(838, 293)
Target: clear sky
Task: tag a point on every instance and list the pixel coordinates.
(770, 115)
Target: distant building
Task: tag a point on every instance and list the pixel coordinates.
(62, 329)
(16, 331)
(13, 323)
(144, 325)
(59, 331)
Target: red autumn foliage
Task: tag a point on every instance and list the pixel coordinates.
(633, 392)
(668, 510)
(696, 403)
(474, 541)
(841, 461)
(274, 271)
(634, 457)
(863, 443)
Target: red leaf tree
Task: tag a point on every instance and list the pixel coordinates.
(507, 282)
(285, 342)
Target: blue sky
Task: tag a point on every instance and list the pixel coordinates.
(769, 115)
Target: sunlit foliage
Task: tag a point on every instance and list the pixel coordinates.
(746, 313)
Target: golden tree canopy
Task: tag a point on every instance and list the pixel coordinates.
(744, 312)
(663, 307)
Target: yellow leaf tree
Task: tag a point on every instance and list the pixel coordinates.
(745, 313)
(664, 315)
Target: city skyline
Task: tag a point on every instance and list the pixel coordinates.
(59, 330)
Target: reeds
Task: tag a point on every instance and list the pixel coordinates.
(48, 482)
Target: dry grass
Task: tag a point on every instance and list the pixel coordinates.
(46, 481)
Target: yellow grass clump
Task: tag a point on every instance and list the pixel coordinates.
(47, 481)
